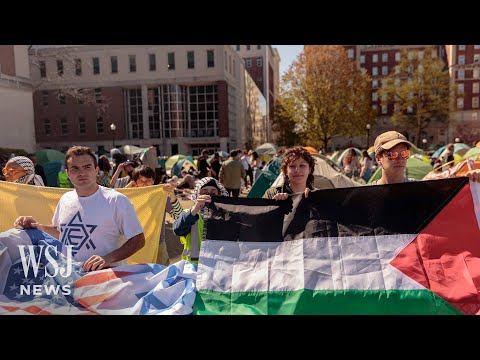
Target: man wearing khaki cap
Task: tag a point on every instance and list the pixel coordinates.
(392, 151)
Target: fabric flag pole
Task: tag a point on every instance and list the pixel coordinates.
(43, 285)
(411, 248)
(40, 202)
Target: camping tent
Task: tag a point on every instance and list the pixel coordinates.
(472, 154)
(344, 153)
(147, 155)
(458, 148)
(46, 155)
(311, 149)
(326, 177)
(266, 149)
(325, 173)
(186, 162)
(416, 168)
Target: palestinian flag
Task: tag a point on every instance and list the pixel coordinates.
(409, 248)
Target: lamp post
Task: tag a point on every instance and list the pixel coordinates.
(424, 141)
(113, 128)
(368, 126)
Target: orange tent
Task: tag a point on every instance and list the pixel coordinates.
(311, 149)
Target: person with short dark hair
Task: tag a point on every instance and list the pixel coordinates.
(114, 232)
(38, 168)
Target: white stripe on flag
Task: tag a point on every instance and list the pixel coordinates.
(345, 263)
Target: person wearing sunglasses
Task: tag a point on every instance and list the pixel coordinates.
(21, 170)
(392, 151)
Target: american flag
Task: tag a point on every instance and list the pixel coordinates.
(143, 289)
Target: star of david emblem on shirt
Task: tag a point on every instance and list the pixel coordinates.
(77, 234)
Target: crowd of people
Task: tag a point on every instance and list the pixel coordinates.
(96, 202)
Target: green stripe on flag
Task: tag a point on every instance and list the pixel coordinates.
(323, 302)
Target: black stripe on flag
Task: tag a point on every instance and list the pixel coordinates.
(360, 211)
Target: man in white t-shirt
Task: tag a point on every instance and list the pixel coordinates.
(93, 219)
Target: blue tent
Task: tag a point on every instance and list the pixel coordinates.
(186, 161)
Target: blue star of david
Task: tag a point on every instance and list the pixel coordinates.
(77, 234)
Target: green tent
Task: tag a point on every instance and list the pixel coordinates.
(417, 168)
(47, 155)
(266, 178)
(172, 160)
(472, 154)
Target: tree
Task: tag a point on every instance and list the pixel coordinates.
(419, 88)
(283, 123)
(326, 94)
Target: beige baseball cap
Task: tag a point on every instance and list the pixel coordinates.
(389, 139)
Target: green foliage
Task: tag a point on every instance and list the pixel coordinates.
(419, 89)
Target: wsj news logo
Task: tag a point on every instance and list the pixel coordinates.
(30, 260)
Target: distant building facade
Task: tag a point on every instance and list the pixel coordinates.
(16, 104)
(179, 98)
(262, 62)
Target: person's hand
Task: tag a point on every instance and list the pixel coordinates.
(131, 184)
(95, 262)
(26, 222)
(200, 203)
(307, 191)
(474, 175)
(170, 189)
(280, 196)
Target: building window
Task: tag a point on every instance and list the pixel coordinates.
(461, 47)
(60, 67)
(461, 60)
(152, 61)
(374, 96)
(82, 125)
(461, 75)
(398, 56)
(476, 46)
(374, 84)
(475, 102)
(259, 47)
(61, 98)
(362, 59)
(420, 55)
(476, 58)
(100, 125)
(375, 58)
(78, 67)
(135, 112)
(375, 71)
(248, 63)
(210, 59)
(384, 109)
(46, 127)
(98, 95)
(384, 57)
(475, 115)
(238, 47)
(132, 61)
(96, 66)
(203, 103)
(350, 53)
(63, 126)
(476, 73)
(233, 68)
(171, 61)
(259, 62)
(385, 70)
(190, 59)
(45, 97)
(248, 47)
(461, 88)
(476, 88)
(460, 103)
(114, 64)
(43, 69)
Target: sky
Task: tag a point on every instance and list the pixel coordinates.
(288, 53)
